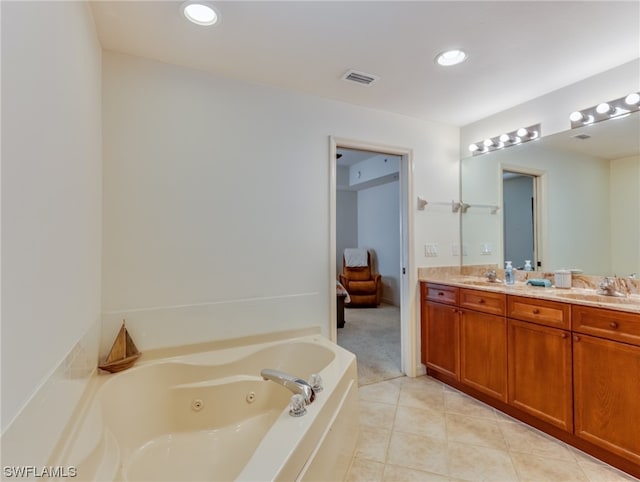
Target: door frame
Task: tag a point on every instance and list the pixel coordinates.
(409, 335)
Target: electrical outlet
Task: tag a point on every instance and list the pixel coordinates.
(431, 250)
(486, 249)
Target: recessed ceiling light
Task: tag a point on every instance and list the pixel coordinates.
(451, 57)
(200, 13)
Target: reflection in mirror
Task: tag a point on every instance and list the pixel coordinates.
(588, 200)
(519, 218)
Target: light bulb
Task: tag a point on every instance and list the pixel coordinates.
(522, 132)
(505, 138)
(473, 147)
(576, 116)
(632, 99)
(604, 108)
(488, 143)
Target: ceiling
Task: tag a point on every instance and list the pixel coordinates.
(517, 50)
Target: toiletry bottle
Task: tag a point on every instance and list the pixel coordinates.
(527, 265)
(509, 277)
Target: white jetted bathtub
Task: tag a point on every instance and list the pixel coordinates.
(210, 416)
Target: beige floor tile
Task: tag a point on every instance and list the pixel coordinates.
(376, 415)
(522, 438)
(418, 452)
(599, 472)
(532, 468)
(421, 421)
(394, 473)
(456, 402)
(365, 471)
(422, 382)
(400, 422)
(475, 463)
(386, 392)
(422, 395)
(475, 431)
(373, 444)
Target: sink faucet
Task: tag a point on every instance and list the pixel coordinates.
(609, 287)
(295, 384)
(491, 275)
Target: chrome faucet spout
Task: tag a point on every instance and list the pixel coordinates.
(491, 275)
(613, 287)
(295, 384)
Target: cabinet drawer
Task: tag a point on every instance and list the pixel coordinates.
(441, 293)
(485, 301)
(549, 313)
(615, 325)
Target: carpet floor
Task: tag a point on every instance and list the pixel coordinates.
(373, 335)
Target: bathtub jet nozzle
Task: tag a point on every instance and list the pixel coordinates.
(295, 384)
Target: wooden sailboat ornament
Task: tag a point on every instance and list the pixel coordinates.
(123, 354)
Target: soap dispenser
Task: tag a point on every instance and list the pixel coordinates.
(527, 265)
(509, 276)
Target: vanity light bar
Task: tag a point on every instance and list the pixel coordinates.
(606, 110)
(524, 134)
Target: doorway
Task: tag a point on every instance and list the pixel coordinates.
(397, 284)
(521, 227)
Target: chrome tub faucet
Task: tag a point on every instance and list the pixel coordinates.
(297, 385)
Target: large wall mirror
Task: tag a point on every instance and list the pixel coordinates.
(570, 200)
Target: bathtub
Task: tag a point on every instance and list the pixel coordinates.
(209, 416)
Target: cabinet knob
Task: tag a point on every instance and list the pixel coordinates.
(576, 338)
(564, 335)
(481, 300)
(440, 293)
(613, 325)
(536, 311)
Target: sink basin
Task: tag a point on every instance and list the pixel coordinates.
(602, 298)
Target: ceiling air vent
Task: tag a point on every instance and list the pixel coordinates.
(360, 77)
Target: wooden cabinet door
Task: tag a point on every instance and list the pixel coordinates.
(607, 394)
(441, 338)
(540, 372)
(483, 353)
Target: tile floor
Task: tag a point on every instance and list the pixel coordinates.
(418, 429)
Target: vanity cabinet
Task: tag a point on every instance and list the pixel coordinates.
(540, 372)
(440, 325)
(483, 342)
(539, 363)
(607, 379)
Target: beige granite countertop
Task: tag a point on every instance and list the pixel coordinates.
(583, 294)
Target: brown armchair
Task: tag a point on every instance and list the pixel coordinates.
(364, 287)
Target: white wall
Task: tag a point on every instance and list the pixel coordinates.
(216, 199)
(51, 218)
(346, 224)
(379, 231)
(625, 229)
